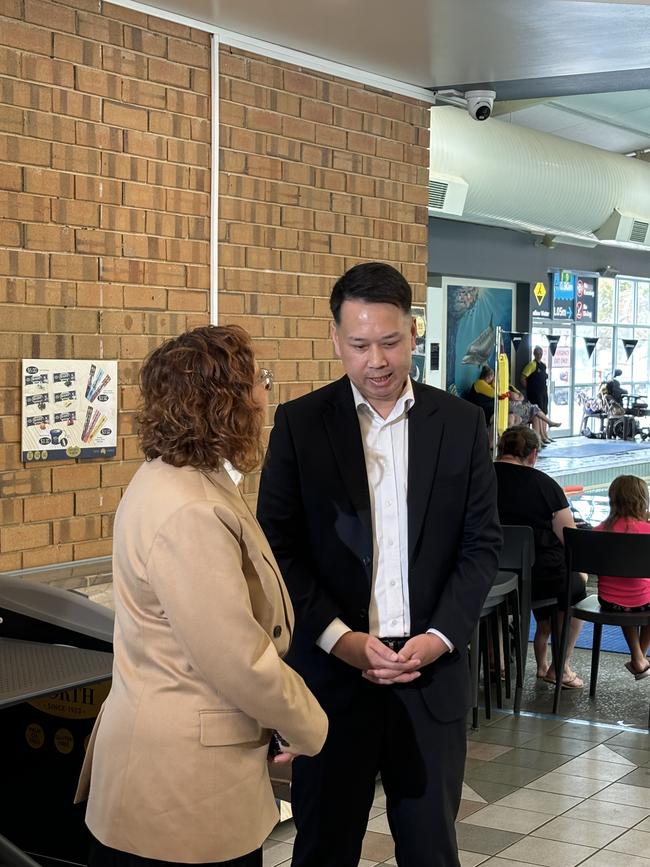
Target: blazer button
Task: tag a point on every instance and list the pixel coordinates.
(366, 561)
(277, 631)
(363, 614)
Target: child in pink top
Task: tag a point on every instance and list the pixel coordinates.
(628, 513)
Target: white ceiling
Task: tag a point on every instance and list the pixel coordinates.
(586, 62)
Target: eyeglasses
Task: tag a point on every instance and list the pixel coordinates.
(265, 376)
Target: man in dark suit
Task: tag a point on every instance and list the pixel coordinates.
(378, 498)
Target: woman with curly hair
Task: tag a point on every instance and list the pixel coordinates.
(176, 768)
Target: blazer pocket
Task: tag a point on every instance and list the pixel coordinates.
(224, 728)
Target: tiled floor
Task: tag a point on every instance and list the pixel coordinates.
(538, 791)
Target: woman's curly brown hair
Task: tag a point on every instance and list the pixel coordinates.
(197, 404)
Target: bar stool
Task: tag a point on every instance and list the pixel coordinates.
(502, 602)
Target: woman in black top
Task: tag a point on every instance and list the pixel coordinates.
(529, 497)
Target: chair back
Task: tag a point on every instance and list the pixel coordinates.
(518, 551)
(625, 555)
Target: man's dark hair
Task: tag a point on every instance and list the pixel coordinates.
(374, 282)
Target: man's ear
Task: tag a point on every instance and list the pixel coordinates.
(335, 338)
(414, 332)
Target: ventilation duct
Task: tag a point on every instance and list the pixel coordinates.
(522, 179)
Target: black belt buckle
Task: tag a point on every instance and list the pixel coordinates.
(396, 643)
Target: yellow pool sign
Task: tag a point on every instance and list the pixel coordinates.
(539, 292)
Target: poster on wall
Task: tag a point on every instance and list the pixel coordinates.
(564, 293)
(473, 314)
(585, 299)
(417, 359)
(69, 409)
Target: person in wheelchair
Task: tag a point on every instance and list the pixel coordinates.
(613, 387)
(628, 513)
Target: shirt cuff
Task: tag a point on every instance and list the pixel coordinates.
(440, 635)
(331, 634)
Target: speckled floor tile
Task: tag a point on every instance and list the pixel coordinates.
(595, 770)
(633, 842)
(564, 784)
(605, 753)
(486, 752)
(624, 815)
(618, 793)
(539, 802)
(507, 819)
(607, 858)
(578, 831)
(560, 746)
(497, 773)
(377, 847)
(638, 777)
(486, 841)
(550, 853)
(523, 757)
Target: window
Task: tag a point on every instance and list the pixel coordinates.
(605, 300)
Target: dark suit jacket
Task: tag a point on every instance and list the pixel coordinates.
(314, 507)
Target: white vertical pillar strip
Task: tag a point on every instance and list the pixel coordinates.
(214, 185)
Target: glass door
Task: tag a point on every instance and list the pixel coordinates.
(560, 374)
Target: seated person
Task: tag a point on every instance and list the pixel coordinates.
(522, 411)
(482, 392)
(614, 387)
(529, 497)
(628, 513)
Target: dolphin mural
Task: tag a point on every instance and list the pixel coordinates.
(481, 347)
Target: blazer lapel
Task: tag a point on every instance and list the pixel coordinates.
(224, 483)
(425, 428)
(342, 426)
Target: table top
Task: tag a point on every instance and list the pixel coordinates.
(29, 669)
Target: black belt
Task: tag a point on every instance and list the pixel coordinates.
(396, 644)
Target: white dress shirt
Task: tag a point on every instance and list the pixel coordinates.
(385, 446)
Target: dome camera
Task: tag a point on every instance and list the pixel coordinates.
(480, 103)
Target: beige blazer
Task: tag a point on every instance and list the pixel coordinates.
(176, 767)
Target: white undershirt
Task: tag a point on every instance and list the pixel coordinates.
(385, 446)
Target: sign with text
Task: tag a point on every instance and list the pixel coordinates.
(69, 409)
(564, 293)
(585, 299)
(540, 301)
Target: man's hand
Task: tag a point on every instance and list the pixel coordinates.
(426, 648)
(418, 651)
(379, 663)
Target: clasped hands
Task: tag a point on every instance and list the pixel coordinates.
(384, 666)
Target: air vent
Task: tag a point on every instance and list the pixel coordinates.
(447, 194)
(625, 227)
(437, 194)
(639, 232)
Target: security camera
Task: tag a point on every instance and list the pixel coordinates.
(480, 103)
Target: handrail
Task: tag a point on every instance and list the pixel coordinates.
(13, 856)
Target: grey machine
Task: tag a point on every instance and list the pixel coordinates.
(55, 668)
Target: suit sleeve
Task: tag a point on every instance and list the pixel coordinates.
(459, 607)
(195, 569)
(280, 512)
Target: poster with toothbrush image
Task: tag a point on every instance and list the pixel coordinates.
(69, 409)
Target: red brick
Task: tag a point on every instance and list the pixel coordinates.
(129, 117)
(75, 50)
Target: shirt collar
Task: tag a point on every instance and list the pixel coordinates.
(234, 473)
(404, 402)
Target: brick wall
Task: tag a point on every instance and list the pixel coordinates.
(317, 174)
(104, 223)
(104, 234)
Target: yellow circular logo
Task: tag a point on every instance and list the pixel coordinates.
(73, 451)
(44, 455)
(35, 736)
(420, 326)
(63, 741)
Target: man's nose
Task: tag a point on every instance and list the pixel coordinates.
(376, 357)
